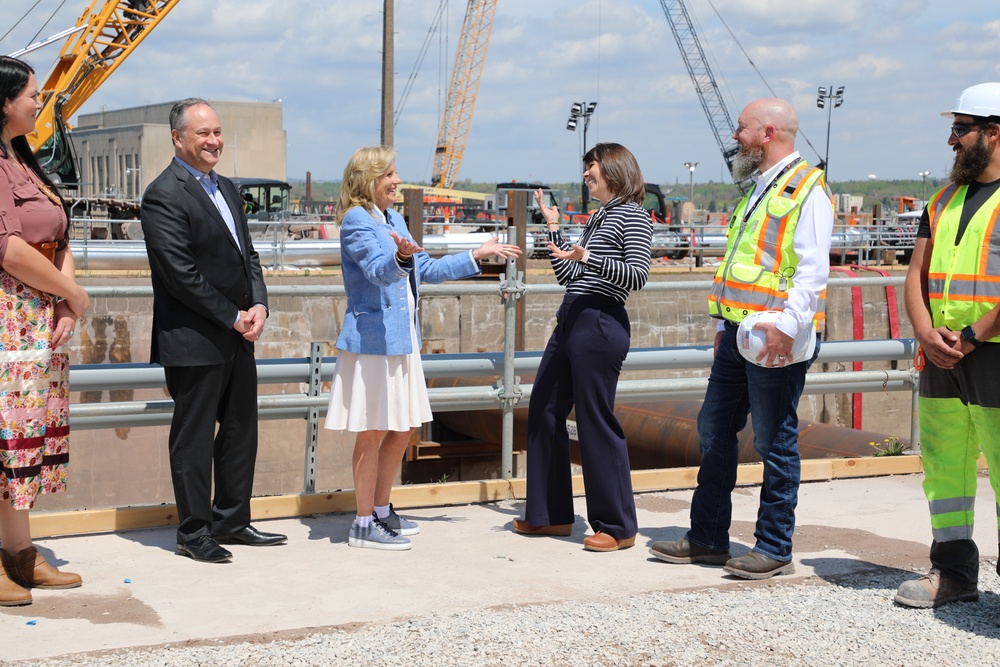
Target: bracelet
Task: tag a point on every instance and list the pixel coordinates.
(401, 259)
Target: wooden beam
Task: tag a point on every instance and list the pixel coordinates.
(77, 522)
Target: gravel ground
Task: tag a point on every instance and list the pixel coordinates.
(849, 622)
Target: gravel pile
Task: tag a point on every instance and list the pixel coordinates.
(852, 621)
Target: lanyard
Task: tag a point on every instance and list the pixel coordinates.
(763, 194)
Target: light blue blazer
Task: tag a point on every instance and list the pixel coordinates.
(377, 320)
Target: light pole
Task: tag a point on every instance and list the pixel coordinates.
(691, 167)
(829, 100)
(582, 110)
(923, 184)
(138, 170)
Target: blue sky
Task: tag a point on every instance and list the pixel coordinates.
(901, 62)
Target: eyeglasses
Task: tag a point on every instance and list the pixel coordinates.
(962, 129)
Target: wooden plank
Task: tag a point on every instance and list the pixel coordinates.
(77, 522)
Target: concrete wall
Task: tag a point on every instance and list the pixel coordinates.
(129, 466)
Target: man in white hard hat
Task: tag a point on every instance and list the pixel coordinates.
(953, 300)
(777, 258)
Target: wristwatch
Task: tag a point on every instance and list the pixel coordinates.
(969, 334)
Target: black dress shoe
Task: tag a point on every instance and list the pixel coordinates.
(252, 537)
(204, 549)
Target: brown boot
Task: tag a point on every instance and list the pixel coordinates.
(12, 595)
(29, 569)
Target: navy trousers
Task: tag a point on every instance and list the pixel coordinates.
(580, 367)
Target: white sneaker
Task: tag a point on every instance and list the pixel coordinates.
(377, 535)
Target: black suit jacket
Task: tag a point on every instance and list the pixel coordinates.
(201, 278)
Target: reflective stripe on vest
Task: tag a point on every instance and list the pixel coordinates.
(760, 260)
(963, 281)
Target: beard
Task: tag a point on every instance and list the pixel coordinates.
(747, 161)
(970, 162)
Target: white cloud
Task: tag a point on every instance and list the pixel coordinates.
(901, 62)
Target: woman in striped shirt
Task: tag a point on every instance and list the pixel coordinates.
(583, 359)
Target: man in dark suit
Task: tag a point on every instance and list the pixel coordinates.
(209, 306)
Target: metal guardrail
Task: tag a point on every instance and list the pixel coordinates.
(311, 371)
(277, 248)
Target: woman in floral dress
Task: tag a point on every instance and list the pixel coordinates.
(40, 303)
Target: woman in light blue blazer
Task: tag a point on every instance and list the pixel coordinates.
(378, 387)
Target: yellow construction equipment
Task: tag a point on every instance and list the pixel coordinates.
(112, 29)
(464, 86)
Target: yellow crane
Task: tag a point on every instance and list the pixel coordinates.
(111, 30)
(461, 100)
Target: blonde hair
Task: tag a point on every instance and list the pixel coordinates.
(362, 171)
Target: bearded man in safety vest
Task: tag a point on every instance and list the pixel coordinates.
(953, 300)
(777, 258)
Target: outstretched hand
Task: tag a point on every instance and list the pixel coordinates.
(404, 246)
(575, 252)
(549, 213)
(495, 247)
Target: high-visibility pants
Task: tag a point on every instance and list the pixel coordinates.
(959, 417)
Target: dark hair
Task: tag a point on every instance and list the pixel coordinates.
(178, 112)
(14, 76)
(620, 169)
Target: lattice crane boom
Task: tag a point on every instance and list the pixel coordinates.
(112, 30)
(461, 100)
(701, 75)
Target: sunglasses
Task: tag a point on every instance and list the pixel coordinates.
(962, 129)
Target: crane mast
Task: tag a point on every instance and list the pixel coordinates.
(704, 81)
(461, 99)
(112, 29)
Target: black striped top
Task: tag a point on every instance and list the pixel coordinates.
(619, 236)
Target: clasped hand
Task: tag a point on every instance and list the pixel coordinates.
(943, 347)
(251, 322)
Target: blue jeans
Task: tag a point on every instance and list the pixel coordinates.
(737, 388)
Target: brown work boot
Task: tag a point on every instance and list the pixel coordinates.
(12, 595)
(28, 568)
(683, 551)
(933, 590)
(754, 565)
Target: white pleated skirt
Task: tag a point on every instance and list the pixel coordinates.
(379, 392)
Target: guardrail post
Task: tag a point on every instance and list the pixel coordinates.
(312, 421)
(510, 391)
(915, 411)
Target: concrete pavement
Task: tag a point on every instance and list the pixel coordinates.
(137, 592)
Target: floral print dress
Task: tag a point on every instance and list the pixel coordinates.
(34, 380)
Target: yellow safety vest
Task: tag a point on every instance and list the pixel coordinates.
(760, 261)
(963, 281)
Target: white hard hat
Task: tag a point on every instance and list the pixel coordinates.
(750, 341)
(981, 100)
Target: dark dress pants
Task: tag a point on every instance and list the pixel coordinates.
(203, 396)
(580, 366)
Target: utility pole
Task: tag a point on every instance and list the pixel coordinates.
(388, 58)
